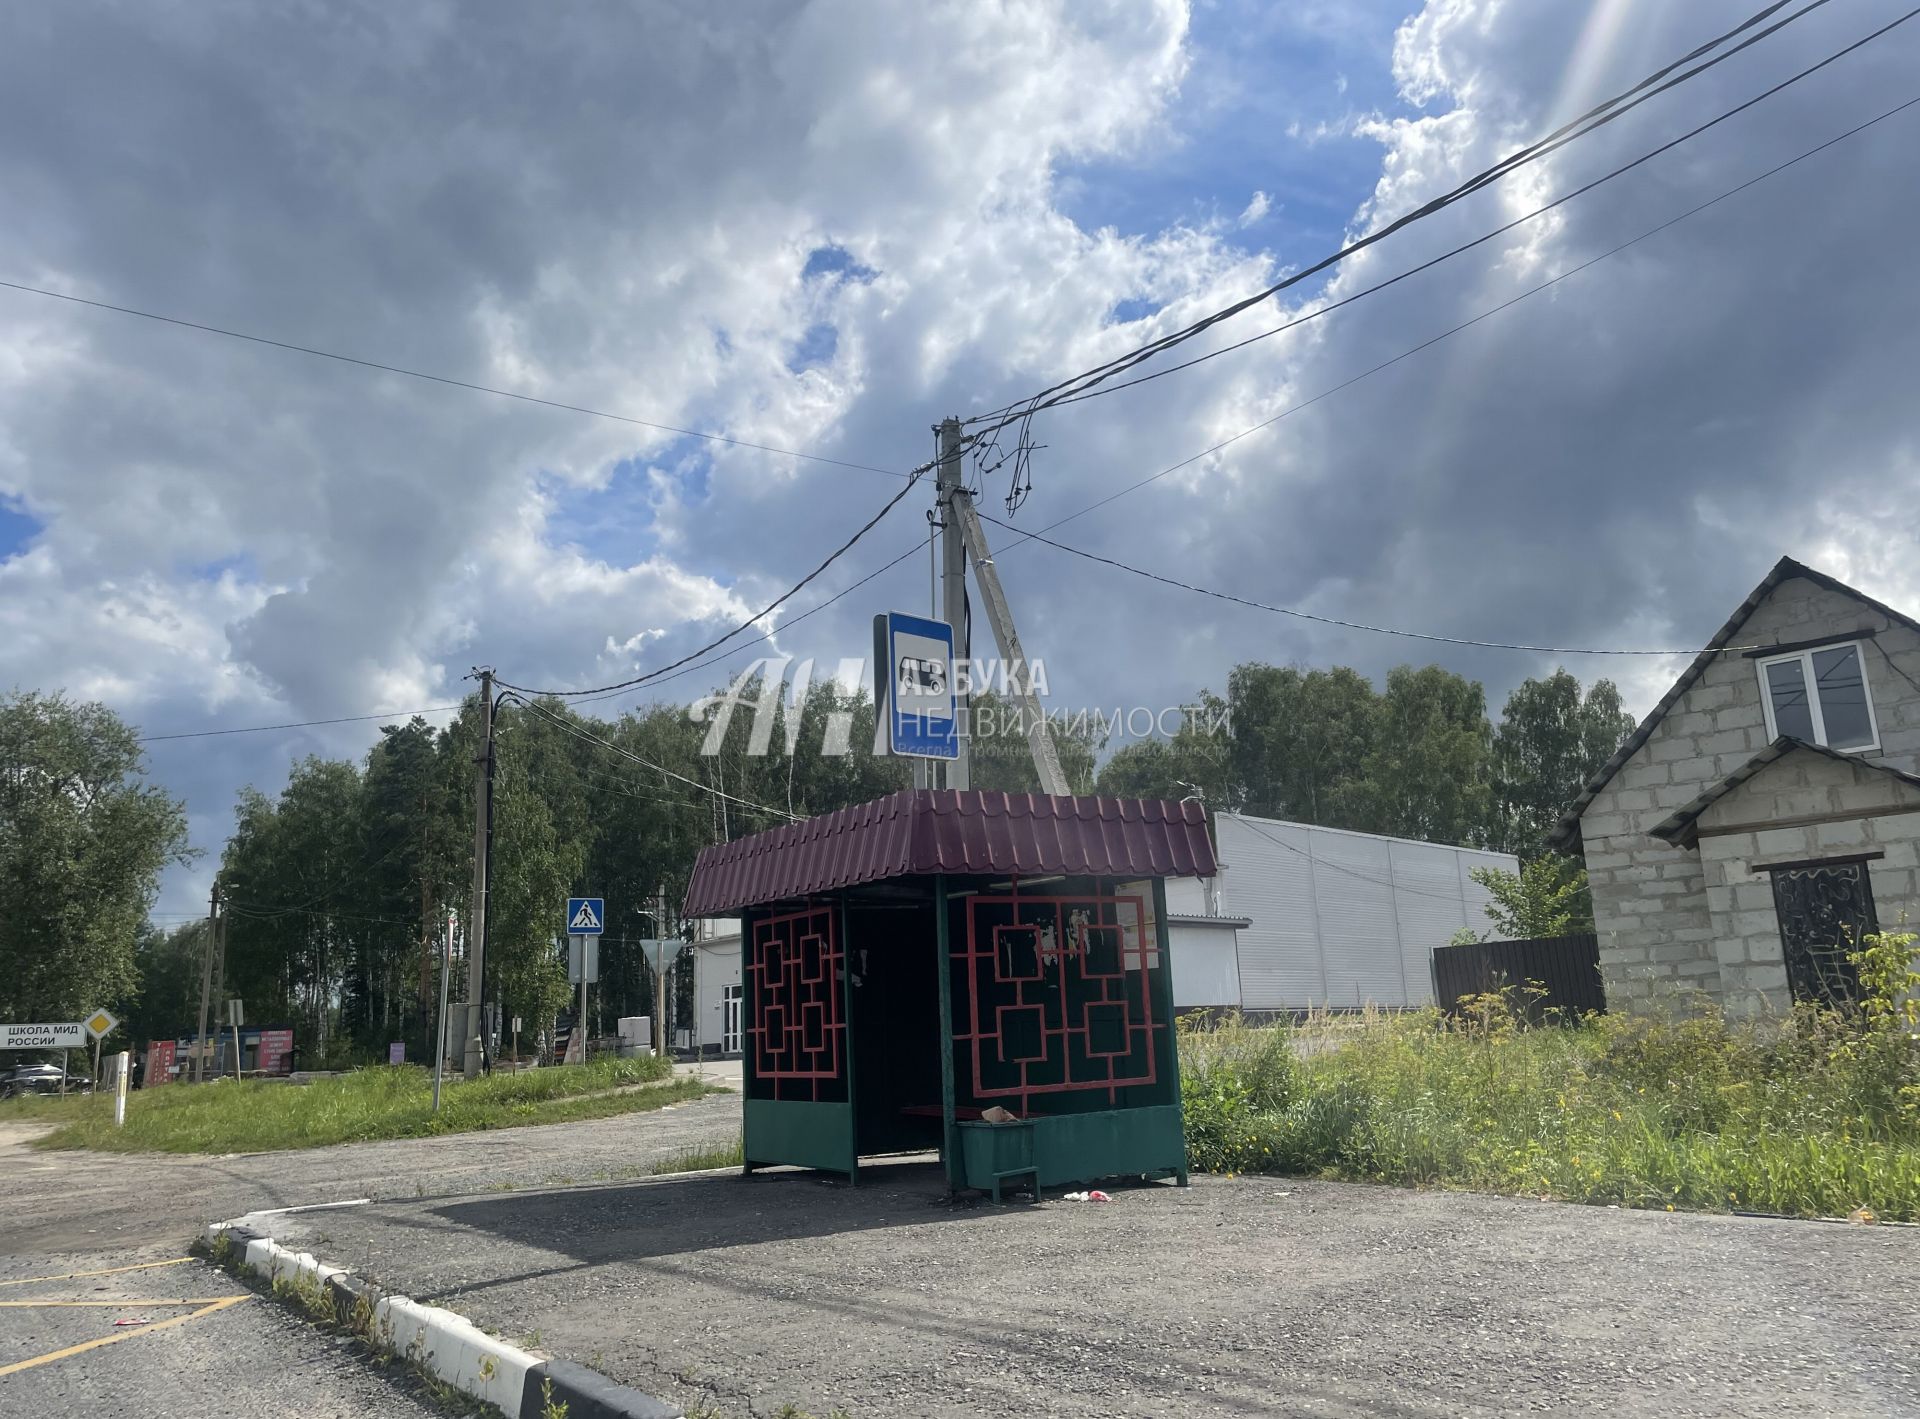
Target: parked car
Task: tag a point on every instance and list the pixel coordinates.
(41, 1079)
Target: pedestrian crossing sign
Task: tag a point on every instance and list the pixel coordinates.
(586, 916)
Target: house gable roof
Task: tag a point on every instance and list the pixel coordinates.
(1682, 827)
(1566, 833)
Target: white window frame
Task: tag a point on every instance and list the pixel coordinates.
(1804, 658)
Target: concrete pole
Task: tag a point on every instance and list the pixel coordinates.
(440, 1020)
(477, 913)
(206, 986)
(659, 971)
(953, 586)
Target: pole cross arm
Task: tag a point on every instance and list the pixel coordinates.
(1046, 758)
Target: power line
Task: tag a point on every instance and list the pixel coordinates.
(499, 393)
(298, 724)
(1335, 620)
(1475, 320)
(1598, 116)
(912, 479)
(734, 650)
(1328, 309)
(581, 733)
(1080, 386)
(1758, 178)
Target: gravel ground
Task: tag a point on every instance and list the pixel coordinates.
(1248, 1296)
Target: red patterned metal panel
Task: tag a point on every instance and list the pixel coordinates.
(922, 831)
(1059, 996)
(796, 1032)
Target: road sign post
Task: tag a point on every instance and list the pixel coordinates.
(99, 1024)
(914, 693)
(120, 1073)
(586, 920)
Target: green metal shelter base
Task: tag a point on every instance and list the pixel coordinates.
(1074, 1148)
(802, 1135)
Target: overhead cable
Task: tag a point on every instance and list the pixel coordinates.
(296, 724)
(1491, 311)
(494, 390)
(1119, 565)
(580, 732)
(1081, 385)
(912, 479)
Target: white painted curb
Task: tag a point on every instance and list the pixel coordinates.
(441, 1342)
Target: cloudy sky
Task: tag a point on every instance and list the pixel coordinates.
(822, 226)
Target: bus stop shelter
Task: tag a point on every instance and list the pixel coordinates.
(986, 974)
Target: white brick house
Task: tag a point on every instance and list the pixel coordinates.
(1767, 809)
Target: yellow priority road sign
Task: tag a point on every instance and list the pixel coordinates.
(100, 1023)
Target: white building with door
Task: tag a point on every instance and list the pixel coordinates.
(1205, 939)
(1337, 918)
(718, 1023)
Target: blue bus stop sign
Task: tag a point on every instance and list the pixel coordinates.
(913, 683)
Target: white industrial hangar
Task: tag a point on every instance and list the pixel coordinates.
(1337, 918)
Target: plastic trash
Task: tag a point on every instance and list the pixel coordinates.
(1095, 1195)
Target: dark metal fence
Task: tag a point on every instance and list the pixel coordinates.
(1568, 966)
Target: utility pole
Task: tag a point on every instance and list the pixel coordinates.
(440, 1020)
(206, 985)
(953, 586)
(659, 971)
(477, 915)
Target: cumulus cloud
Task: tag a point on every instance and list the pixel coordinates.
(825, 226)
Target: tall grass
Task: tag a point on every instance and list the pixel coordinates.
(1816, 1115)
(384, 1102)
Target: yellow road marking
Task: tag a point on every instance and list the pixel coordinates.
(106, 1271)
(127, 1303)
(85, 1346)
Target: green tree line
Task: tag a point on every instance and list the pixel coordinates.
(338, 886)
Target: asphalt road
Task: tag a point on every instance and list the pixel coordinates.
(75, 1200)
(222, 1356)
(64, 1213)
(1234, 1297)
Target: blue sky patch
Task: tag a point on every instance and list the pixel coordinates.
(817, 347)
(1132, 309)
(835, 261)
(1276, 115)
(240, 564)
(18, 528)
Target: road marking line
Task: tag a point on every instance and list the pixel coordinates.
(85, 1346)
(127, 1303)
(105, 1271)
